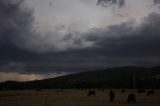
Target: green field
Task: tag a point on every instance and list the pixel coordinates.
(73, 98)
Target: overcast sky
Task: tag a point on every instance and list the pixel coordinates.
(48, 38)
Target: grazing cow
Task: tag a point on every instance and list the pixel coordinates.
(59, 90)
(151, 92)
(101, 89)
(111, 95)
(91, 93)
(131, 99)
(38, 90)
(123, 90)
(141, 91)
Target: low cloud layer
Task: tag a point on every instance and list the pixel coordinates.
(26, 77)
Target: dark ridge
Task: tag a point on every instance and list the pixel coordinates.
(118, 77)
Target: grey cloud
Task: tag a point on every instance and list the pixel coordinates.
(106, 3)
(156, 2)
(17, 27)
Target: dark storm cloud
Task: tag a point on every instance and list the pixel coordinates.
(116, 45)
(129, 41)
(15, 21)
(120, 44)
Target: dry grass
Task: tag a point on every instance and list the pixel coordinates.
(73, 98)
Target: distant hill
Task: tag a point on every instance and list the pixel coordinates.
(118, 77)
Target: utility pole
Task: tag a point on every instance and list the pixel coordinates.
(134, 81)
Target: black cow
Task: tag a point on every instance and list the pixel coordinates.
(141, 91)
(38, 90)
(151, 92)
(111, 95)
(101, 89)
(91, 93)
(123, 90)
(131, 99)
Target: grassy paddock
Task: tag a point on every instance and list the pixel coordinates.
(74, 98)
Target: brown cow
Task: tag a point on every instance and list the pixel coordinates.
(91, 93)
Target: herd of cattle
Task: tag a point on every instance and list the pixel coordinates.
(131, 97)
(130, 100)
